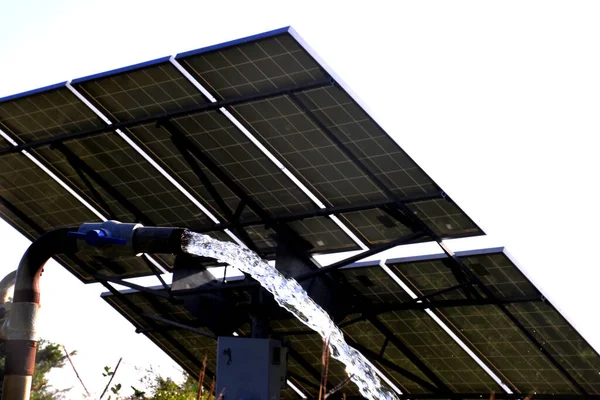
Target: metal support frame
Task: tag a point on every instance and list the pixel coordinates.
(379, 358)
(380, 326)
(152, 324)
(179, 325)
(82, 169)
(330, 268)
(321, 212)
(154, 292)
(191, 154)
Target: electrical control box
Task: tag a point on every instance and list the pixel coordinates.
(250, 369)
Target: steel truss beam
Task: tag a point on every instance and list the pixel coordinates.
(83, 169)
(373, 356)
(178, 325)
(321, 212)
(154, 292)
(190, 153)
(330, 268)
(404, 349)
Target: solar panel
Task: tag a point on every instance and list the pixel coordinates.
(256, 65)
(45, 113)
(34, 203)
(139, 90)
(391, 330)
(306, 130)
(562, 341)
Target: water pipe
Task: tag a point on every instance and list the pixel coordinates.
(111, 239)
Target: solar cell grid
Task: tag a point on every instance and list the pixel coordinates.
(32, 191)
(141, 92)
(134, 178)
(232, 153)
(323, 234)
(300, 144)
(562, 341)
(253, 67)
(495, 270)
(374, 284)
(427, 277)
(46, 114)
(489, 331)
(338, 112)
(107, 205)
(444, 218)
(365, 334)
(442, 355)
(158, 143)
(376, 226)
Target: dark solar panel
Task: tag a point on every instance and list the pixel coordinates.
(375, 226)
(441, 354)
(46, 114)
(489, 331)
(131, 176)
(48, 206)
(294, 129)
(235, 155)
(562, 341)
(32, 191)
(496, 271)
(338, 180)
(140, 91)
(374, 284)
(253, 67)
(366, 335)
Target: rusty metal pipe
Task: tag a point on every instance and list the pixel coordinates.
(111, 238)
(21, 343)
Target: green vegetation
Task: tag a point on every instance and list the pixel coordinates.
(160, 388)
(50, 356)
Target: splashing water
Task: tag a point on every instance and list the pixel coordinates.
(291, 296)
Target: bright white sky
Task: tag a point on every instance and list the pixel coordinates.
(497, 101)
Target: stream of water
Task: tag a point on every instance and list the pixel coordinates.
(291, 296)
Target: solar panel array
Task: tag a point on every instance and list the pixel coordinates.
(253, 139)
(390, 338)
